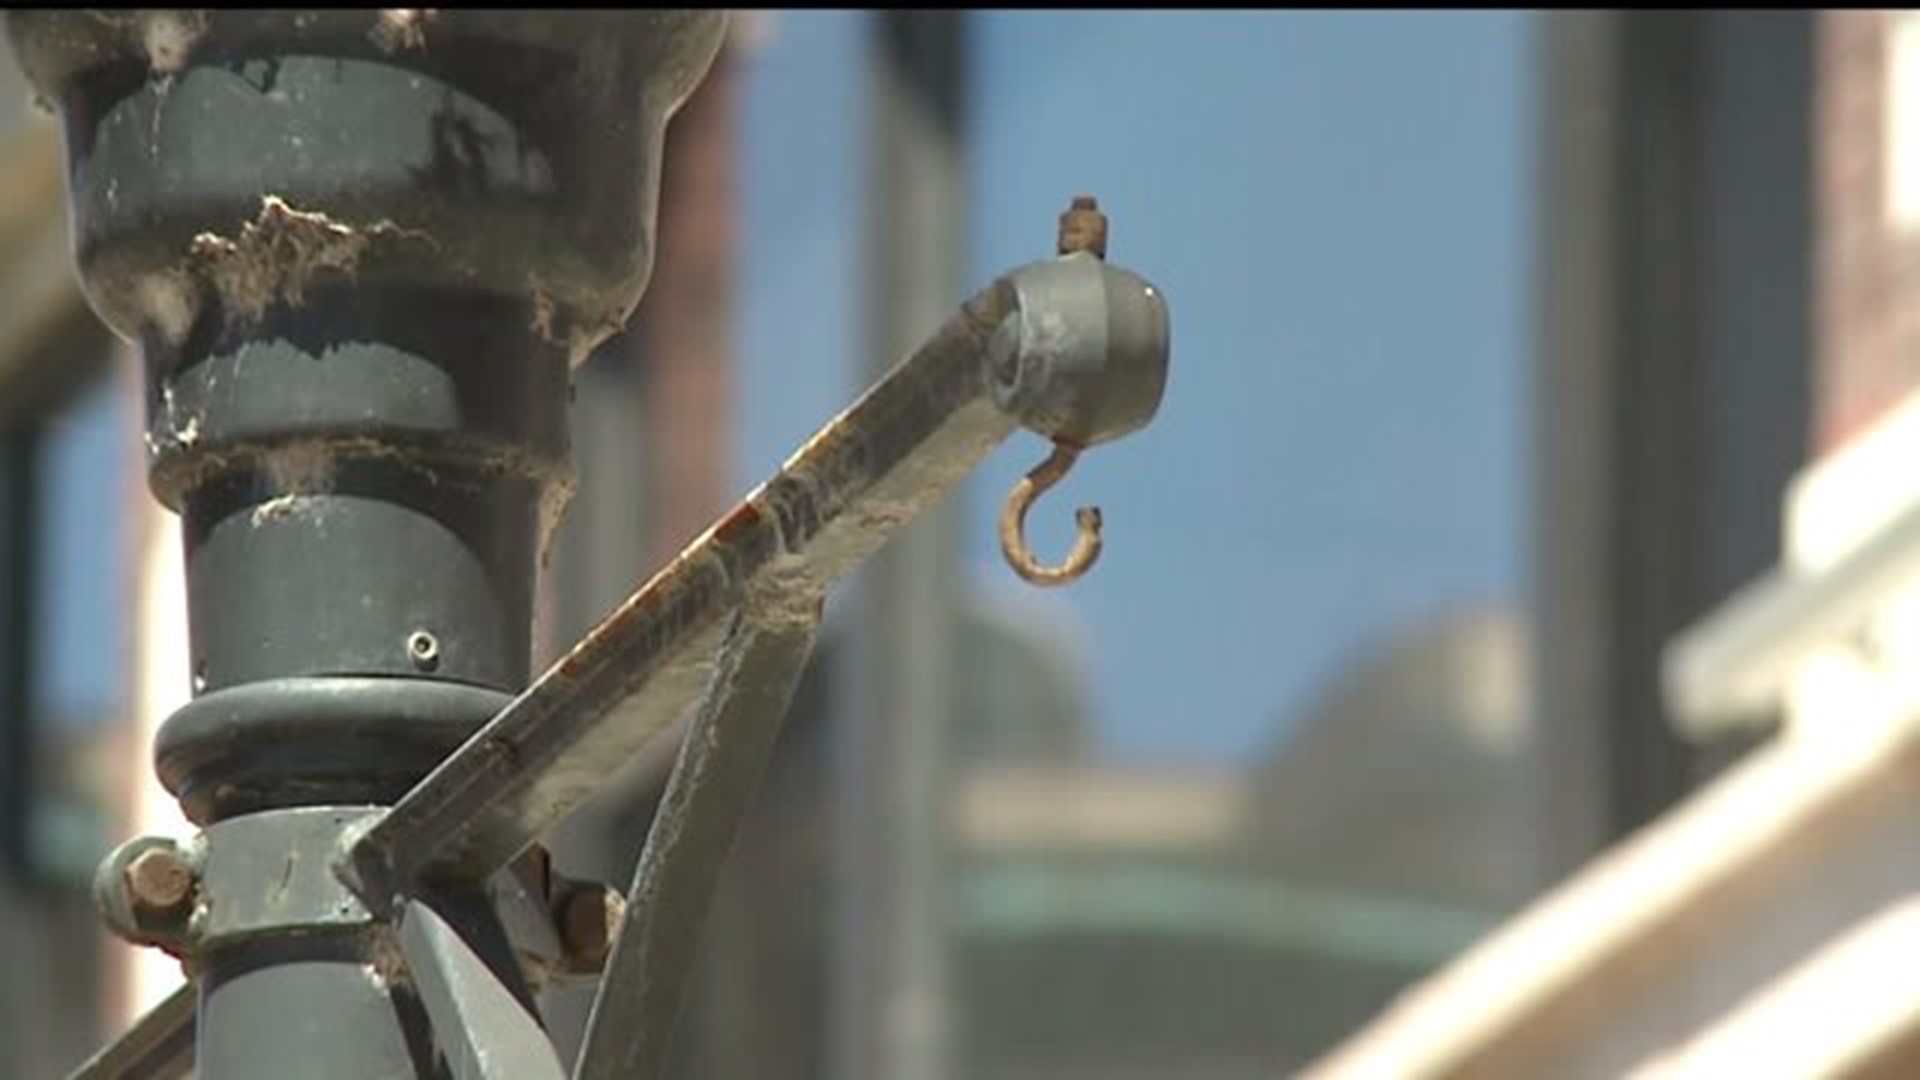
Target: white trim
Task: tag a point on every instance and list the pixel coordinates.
(1901, 122)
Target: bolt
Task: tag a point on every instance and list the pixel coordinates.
(424, 649)
(159, 883)
(589, 920)
(1083, 227)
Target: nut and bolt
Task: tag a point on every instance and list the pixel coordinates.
(160, 884)
(588, 918)
(1083, 228)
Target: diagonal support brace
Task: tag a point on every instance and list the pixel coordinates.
(722, 758)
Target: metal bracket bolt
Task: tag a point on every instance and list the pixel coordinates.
(587, 916)
(160, 884)
(1083, 227)
(146, 890)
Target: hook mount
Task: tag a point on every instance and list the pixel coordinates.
(1013, 523)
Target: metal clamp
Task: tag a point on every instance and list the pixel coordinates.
(1083, 362)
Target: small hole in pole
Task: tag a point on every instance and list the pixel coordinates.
(424, 650)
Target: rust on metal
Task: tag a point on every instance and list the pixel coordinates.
(871, 470)
(1013, 524)
(159, 883)
(588, 918)
(1083, 227)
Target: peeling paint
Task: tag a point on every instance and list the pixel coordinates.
(554, 500)
(279, 252)
(169, 305)
(178, 435)
(168, 37)
(787, 592)
(278, 507)
(300, 468)
(402, 28)
(578, 334)
(386, 965)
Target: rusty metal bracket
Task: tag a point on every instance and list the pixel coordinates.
(1070, 348)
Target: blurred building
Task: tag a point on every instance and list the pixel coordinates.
(1756, 928)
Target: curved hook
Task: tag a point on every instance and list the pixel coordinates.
(1013, 524)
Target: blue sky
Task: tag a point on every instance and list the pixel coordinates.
(1339, 207)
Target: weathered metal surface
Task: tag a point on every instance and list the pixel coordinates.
(340, 739)
(159, 882)
(855, 483)
(487, 1028)
(1083, 227)
(310, 1006)
(721, 760)
(143, 891)
(360, 251)
(1086, 362)
(270, 874)
(360, 256)
(474, 129)
(159, 1046)
(1013, 524)
(1085, 359)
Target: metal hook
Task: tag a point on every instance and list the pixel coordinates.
(1013, 524)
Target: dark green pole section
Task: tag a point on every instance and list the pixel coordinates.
(361, 252)
(18, 498)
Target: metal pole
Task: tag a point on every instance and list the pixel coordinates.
(892, 748)
(362, 252)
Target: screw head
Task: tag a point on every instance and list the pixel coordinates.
(159, 883)
(424, 650)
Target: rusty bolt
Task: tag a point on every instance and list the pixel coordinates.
(159, 883)
(1083, 227)
(589, 918)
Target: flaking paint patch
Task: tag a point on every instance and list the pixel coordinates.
(168, 302)
(578, 335)
(402, 28)
(786, 592)
(280, 506)
(279, 252)
(168, 38)
(177, 434)
(301, 468)
(299, 472)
